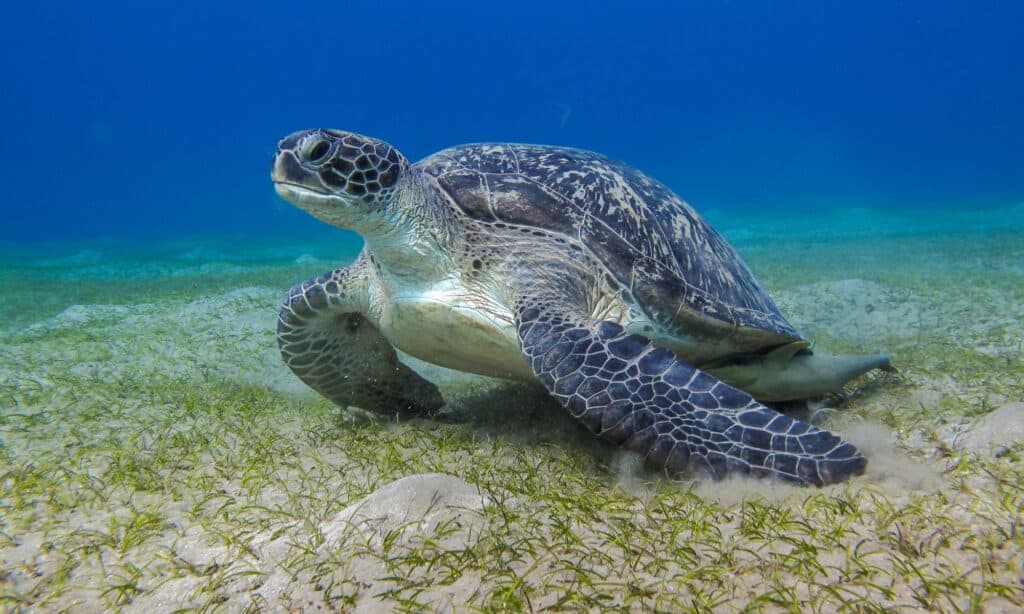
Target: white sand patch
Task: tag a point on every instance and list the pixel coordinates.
(898, 473)
(855, 309)
(230, 336)
(628, 469)
(401, 513)
(76, 316)
(736, 490)
(151, 270)
(994, 432)
(79, 258)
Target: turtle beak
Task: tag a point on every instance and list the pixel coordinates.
(286, 168)
(300, 184)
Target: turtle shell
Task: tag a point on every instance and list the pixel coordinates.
(672, 261)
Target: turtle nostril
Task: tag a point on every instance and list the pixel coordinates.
(318, 152)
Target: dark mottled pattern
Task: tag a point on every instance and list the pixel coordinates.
(656, 245)
(328, 343)
(678, 417)
(344, 163)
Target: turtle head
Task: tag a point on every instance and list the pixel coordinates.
(342, 178)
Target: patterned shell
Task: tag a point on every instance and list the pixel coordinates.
(656, 245)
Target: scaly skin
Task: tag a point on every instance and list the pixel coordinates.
(678, 417)
(580, 220)
(327, 340)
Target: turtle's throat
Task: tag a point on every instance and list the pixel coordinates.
(404, 236)
(328, 208)
(408, 239)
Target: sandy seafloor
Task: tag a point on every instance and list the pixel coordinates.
(155, 454)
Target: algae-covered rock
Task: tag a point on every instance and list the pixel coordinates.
(996, 431)
(393, 520)
(414, 501)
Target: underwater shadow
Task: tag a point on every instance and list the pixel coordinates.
(524, 414)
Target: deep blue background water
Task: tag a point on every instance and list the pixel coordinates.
(131, 118)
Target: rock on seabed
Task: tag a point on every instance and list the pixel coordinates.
(413, 500)
(996, 431)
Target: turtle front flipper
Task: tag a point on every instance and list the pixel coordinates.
(680, 418)
(328, 341)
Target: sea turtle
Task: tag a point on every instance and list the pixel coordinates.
(559, 265)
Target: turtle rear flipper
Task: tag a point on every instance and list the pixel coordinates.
(328, 341)
(792, 372)
(680, 418)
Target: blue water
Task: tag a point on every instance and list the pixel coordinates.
(128, 119)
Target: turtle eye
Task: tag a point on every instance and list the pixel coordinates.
(317, 151)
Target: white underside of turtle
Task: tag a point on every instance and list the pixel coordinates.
(426, 322)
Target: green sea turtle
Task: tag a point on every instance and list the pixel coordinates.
(560, 266)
